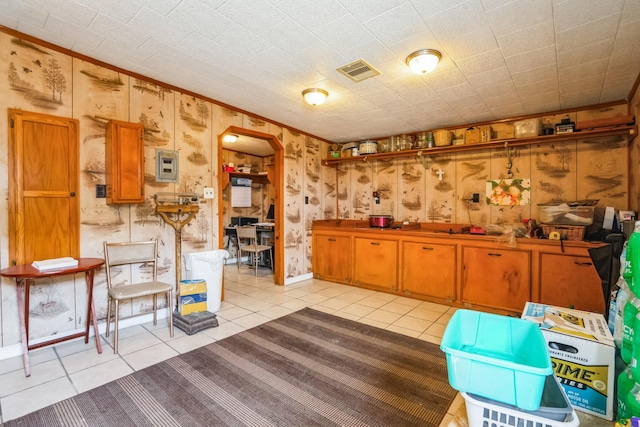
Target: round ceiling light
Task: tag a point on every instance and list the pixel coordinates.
(314, 96)
(424, 61)
(230, 138)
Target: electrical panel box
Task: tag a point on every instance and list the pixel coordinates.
(166, 166)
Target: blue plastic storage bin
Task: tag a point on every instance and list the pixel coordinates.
(497, 357)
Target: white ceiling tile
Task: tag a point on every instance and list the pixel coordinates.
(469, 44)
(11, 10)
(163, 7)
(241, 41)
(492, 4)
(256, 16)
(321, 57)
(374, 52)
(587, 53)
(121, 11)
(490, 78)
(470, 23)
(312, 14)
(146, 21)
(576, 99)
(583, 70)
(460, 91)
(82, 15)
(479, 64)
(535, 75)
(575, 13)
(291, 37)
(498, 98)
(200, 19)
(581, 85)
(118, 31)
(520, 14)
(584, 35)
(538, 88)
(529, 39)
(64, 30)
(441, 80)
(532, 59)
(630, 13)
(203, 49)
(115, 53)
(396, 24)
(344, 31)
(508, 110)
(364, 10)
(430, 8)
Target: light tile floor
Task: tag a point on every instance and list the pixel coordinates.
(67, 369)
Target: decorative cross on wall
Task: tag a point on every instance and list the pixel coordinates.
(440, 174)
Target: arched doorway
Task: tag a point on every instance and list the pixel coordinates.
(276, 179)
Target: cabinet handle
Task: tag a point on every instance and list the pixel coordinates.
(375, 243)
(426, 248)
(332, 240)
(494, 254)
(72, 194)
(582, 263)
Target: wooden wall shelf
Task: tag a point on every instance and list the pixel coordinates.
(629, 130)
(255, 178)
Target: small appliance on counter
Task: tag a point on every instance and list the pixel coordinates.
(380, 221)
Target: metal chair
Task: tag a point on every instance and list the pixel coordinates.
(145, 255)
(249, 233)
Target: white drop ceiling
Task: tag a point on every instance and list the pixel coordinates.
(500, 58)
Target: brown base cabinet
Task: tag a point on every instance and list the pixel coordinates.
(376, 263)
(556, 269)
(332, 257)
(496, 278)
(428, 269)
(475, 272)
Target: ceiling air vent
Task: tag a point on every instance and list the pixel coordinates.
(359, 70)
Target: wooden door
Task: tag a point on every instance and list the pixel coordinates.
(428, 269)
(44, 209)
(497, 278)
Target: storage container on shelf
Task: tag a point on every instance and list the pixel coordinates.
(564, 214)
(498, 357)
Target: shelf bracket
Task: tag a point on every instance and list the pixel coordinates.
(426, 160)
(373, 168)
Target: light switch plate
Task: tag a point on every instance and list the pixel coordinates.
(208, 193)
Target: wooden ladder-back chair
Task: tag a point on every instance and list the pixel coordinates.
(145, 254)
(248, 242)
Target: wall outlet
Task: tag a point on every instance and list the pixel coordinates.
(208, 193)
(101, 191)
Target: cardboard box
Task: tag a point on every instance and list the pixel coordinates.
(193, 296)
(472, 136)
(582, 355)
(190, 287)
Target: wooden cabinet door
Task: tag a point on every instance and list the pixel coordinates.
(332, 257)
(376, 262)
(497, 278)
(44, 206)
(428, 269)
(124, 162)
(570, 281)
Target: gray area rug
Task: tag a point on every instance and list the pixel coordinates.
(304, 369)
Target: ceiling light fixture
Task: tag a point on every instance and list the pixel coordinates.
(314, 96)
(230, 138)
(424, 61)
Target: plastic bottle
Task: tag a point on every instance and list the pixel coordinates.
(625, 267)
(631, 309)
(625, 385)
(632, 257)
(634, 365)
(633, 402)
(619, 297)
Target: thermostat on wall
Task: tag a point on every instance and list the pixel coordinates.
(166, 166)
